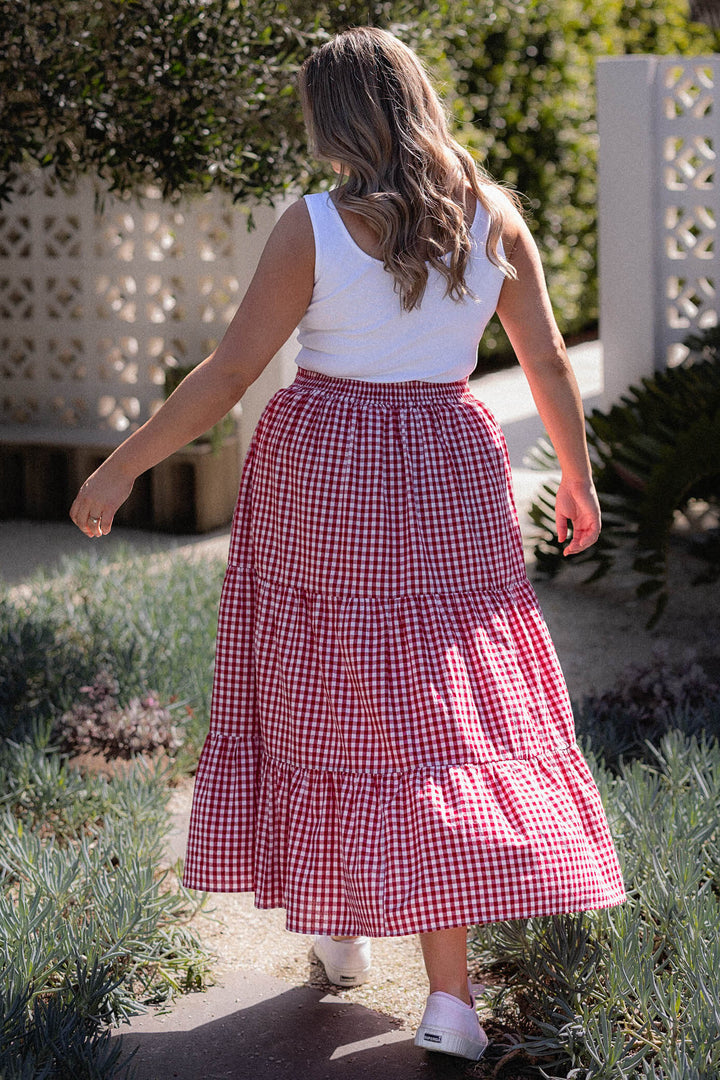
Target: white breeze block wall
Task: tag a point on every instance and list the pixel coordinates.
(100, 295)
(659, 121)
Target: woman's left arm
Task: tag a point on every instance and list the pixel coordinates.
(526, 314)
(274, 303)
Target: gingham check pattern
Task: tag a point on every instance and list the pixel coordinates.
(391, 747)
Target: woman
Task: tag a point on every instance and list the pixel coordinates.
(391, 747)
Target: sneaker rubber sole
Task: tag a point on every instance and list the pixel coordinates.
(443, 1041)
(350, 969)
(449, 1026)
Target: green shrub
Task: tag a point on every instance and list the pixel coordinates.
(200, 94)
(655, 455)
(90, 932)
(524, 92)
(187, 96)
(41, 668)
(149, 622)
(183, 94)
(633, 991)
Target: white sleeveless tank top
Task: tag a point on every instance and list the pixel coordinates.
(355, 326)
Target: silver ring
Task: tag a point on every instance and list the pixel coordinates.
(93, 521)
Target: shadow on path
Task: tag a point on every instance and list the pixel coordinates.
(256, 1027)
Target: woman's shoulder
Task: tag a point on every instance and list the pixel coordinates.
(291, 244)
(507, 204)
(296, 215)
(294, 227)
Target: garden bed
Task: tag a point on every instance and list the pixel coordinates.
(155, 631)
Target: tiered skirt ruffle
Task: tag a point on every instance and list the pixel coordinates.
(391, 746)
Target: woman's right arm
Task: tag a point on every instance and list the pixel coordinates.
(274, 303)
(526, 314)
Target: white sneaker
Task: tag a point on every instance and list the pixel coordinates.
(346, 963)
(449, 1026)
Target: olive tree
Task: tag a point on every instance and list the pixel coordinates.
(184, 93)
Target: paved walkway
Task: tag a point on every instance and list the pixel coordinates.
(256, 1027)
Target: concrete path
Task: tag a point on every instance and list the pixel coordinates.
(255, 1027)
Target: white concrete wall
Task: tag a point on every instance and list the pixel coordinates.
(626, 227)
(659, 203)
(97, 300)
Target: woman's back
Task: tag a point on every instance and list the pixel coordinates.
(356, 327)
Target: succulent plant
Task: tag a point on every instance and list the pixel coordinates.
(100, 723)
(666, 692)
(656, 458)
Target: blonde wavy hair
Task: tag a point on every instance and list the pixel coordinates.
(369, 105)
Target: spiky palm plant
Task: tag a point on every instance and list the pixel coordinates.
(654, 455)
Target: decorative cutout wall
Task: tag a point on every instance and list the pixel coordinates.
(659, 120)
(95, 306)
(688, 197)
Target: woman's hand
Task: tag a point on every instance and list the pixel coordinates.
(577, 502)
(99, 498)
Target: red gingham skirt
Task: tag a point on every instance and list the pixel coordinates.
(391, 748)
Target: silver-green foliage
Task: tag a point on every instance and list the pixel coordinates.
(149, 621)
(632, 991)
(90, 929)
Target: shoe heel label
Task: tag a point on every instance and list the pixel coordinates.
(428, 1037)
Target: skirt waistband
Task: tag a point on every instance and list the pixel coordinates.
(385, 393)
